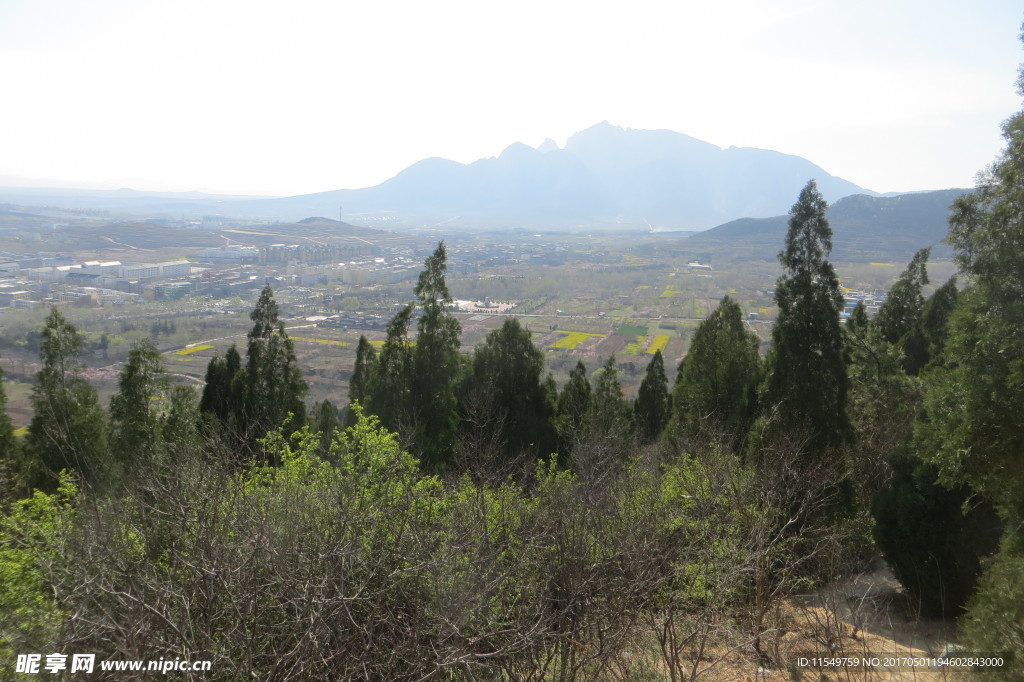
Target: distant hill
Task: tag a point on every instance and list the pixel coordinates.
(122, 201)
(98, 233)
(605, 176)
(865, 228)
(314, 231)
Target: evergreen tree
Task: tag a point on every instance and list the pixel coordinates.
(805, 385)
(933, 537)
(435, 365)
(6, 427)
(213, 401)
(573, 402)
(858, 322)
(605, 433)
(715, 391)
(67, 430)
(222, 394)
(925, 343)
(507, 370)
(882, 404)
(134, 411)
(973, 404)
(901, 312)
(653, 405)
(274, 386)
(325, 424)
(180, 425)
(360, 385)
(971, 427)
(388, 392)
(8, 444)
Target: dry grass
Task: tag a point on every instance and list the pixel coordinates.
(865, 617)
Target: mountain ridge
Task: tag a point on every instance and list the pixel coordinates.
(864, 228)
(604, 177)
(604, 174)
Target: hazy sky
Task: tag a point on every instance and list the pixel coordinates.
(301, 96)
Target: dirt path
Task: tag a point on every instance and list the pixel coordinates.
(869, 619)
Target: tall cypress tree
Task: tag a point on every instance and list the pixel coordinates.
(274, 386)
(67, 430)
(436, 364)
(652, 408)
(508, 369)
(325, 424)
(181, 423)
(715, 391)
(805, 387)
(573, 402)
(411, 387)
(974, 404)
(605, 434)
(362, 372)
(926, 342)
(901, 312)
(974, 400)
(388, 392)
(134, 416)
(224, 391)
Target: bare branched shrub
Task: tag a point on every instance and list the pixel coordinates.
(354, 565)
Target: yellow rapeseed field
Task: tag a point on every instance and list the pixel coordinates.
(572, 339)
(659, 343)
(193, 349)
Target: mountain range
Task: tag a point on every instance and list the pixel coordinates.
(605, 176)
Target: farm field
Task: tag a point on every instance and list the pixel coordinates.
(630, 297)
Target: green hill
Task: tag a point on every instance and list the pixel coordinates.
(865, 229)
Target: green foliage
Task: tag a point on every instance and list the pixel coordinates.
(933, 537)
(435, 365)
(805, 382)
(267, 392)
(504, 394)
(607, 406)
(32, 539)
(883, 405)
(326, 424)
(391, 395)
(575, 397)
(412, 387)
(359, 562)
(994, 621)
(971, 429)
(975, 399)
(653, 404)
(8, 445)
(222, 393)
(605, 438)
(135, 420)
(274, 386)
(715, 391)
(927, 343)
(858, 321)
(362, 379)
(901, 312)
(67, 430)
(180, 425)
